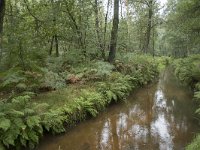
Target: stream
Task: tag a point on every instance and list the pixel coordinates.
(158, 116)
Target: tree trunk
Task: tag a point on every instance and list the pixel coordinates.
(98, 30)
(21, 56)
(54, 37)
(153, 42)
(57, 48)
(2, 13)
(105, 26)
(51, 46)
(114, 32)
(128, 26)
(148, 33)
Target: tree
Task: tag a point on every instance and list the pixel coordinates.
(114, 33)
(182, 28)
(149, 24)
(99, 38)
(2, 13)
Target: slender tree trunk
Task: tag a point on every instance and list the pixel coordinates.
(51, 46)
(57, 47)
(54, 37)
(114, 32)
(128, 25)
(2, 13)
(149, 26)
(153, 42)
(21, 56)
(98, 30)
(105, 26)
(140, 33)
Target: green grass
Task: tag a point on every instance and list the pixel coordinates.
(60, 97)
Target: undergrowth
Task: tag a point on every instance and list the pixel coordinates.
(23, 121)
(188, 71)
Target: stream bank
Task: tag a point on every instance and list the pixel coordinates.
(158, 116)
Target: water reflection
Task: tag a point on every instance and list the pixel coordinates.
(158, 116)
(105, 136)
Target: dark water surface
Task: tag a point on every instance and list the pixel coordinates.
(159, 116)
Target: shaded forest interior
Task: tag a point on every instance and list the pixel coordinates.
(63, 57)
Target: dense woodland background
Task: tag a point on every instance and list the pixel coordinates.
(95, 45)
(32, 30)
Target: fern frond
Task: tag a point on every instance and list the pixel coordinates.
(4, 124)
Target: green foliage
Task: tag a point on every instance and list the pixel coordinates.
(20, 81)
(197, 95)
(53, 80)
(53, 121)
(187, 70)
(96, 70)
(116, 88)
(195, 145)
(139, 65)
(163, 62)
(103, 68)
(180, 35)
(20, 122)
(12, 79)
(94, 98)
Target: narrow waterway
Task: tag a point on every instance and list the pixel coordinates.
(159, 116)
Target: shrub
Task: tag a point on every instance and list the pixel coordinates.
(53, 80)
(188, 69)
(117, 87)
(22, 122)
(19, 81)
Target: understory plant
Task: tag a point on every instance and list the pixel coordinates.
(20, 122)
(188, 71)
(23, 121)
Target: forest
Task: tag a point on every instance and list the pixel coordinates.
(64, 62)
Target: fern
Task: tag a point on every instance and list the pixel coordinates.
(4, 124)
(53, 121)
(195, 145)
(197, 95)
(103, 68)
(53, 80)
(33, 121)
(20, 122)
(87, 106)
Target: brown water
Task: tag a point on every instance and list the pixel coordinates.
(156, 117)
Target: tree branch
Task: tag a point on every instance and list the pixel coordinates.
(31, 12)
